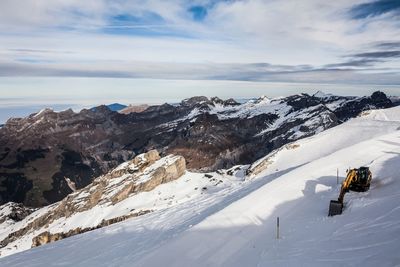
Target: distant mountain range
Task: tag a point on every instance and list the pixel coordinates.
(47, 155)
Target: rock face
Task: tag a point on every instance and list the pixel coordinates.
(44, 238)
(14, 211)
(134, 109)
(47, 237)
(141, 174)
(354, 107)
(48, 155)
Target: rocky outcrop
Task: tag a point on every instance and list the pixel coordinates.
(143, 173)
(174, 168)
(134, 109)
(14, 211)
(47, 237)
(46, 156)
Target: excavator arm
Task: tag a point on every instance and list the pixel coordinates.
(351, 178)
(336, 206)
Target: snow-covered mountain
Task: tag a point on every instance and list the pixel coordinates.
(45, 156)
(228, 218)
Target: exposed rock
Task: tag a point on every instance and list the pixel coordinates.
(109, 189)
(174, 168)
(14, 211)
(134, 109)
(352, 108)
(195, 101)
(228, 102)
(46, 237)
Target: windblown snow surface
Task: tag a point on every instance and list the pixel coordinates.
(239, 228)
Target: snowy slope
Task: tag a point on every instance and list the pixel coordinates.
(237, 227)
(106, 199)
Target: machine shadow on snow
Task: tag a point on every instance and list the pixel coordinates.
(328, 181)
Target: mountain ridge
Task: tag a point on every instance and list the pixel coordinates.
(44, 156)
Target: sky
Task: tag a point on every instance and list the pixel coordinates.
(73, 52)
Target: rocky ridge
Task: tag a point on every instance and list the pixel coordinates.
(142, 174)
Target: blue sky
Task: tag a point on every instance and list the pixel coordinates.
(155, 49)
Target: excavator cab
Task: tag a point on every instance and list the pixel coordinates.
(357, 180)
(363, 180)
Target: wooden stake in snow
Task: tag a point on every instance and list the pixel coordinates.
(337, 176)
(277, 227)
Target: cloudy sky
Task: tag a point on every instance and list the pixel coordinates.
(154, 49)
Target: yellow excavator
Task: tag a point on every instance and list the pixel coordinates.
(357, 180)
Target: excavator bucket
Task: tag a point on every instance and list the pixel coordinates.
(335, 208)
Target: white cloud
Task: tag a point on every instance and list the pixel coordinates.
(34, 40)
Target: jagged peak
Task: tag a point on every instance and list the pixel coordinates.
(321, 94)
(227, 102)
(379, 95)
(264, 98)
(43, 112)
(194, 100)
(101, 109)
